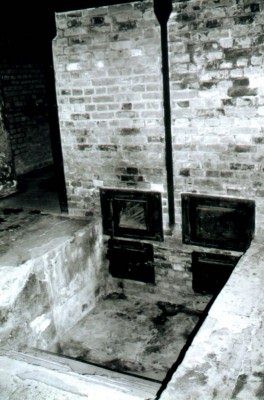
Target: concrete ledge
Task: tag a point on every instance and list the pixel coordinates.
(41, 376)
(50, 277)
(226, 358)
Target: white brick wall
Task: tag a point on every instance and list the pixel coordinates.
(111, 58)
(218, 143)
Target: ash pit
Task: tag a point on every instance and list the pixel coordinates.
(135, 313)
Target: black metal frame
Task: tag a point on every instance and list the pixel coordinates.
(238, 215)
(131, 260)
(110, 207)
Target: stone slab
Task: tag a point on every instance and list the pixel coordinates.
(38, 375)
(226, 360)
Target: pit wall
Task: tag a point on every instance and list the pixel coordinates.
(109, 90)
(225, 359)
(8, 182)
(216, 58)
(173, 275)
(48, 294)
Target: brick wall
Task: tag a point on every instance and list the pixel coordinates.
(26, 118)
(217, 90)
(7, 181)
(109, 89)
(108, 75)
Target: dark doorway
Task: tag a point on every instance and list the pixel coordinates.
(30, 112)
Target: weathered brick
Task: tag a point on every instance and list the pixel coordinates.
(224, 152)
(76, 117)
(216, 96)
(240, 91)
(127, 26)
(185, 172)
(129, 131)
(122, 82)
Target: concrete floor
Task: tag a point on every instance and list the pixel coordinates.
(133, 335)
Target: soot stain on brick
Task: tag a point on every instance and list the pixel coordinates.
(241, 88)
(207, 85)
(245, 19)
(127, 26)
(242, 149)
(240, 82)
(233, 54)
(228, 102)
(258, 140)
(74, 23)
(213, 23)
(143, 6)
(184, 172)
(183, 104)
(84, 147)
(186, 17)
(127, 106)
(97, 21)
(241, 91)
(129, 131)
(107, 147)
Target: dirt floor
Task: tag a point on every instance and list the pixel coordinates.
(133, 335)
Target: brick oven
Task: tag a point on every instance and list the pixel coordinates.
(136, 215)
(111, 96)
(216, 222)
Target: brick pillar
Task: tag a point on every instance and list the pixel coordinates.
(109, 90)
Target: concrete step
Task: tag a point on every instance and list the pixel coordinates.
(71, 377)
